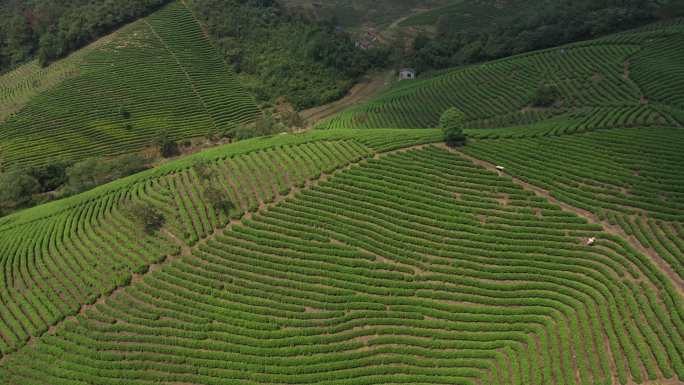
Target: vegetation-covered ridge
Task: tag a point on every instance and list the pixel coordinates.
(417, 266)
(159, 73)
(65, 254)
(629, 79)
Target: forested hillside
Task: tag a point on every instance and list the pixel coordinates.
(472, 31)
(51, 29)
(281, 54)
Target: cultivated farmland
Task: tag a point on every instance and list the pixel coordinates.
(617, 81)
(114, 97)
(382, 265)
(549, 250)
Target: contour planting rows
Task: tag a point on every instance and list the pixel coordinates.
(416, 267)
(56, 259)
(611, 82)
(631, 178)
(157, 73)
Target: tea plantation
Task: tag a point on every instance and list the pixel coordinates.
(548, 250)
(625, 80)
(114, 96)
(366, 256)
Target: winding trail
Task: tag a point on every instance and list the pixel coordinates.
(589, 216)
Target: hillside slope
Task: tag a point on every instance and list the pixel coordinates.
(60, 256)
(367, 257)
(629, 79)
(114, 96)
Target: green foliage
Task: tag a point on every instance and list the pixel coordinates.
(160, 72)
(52, 28)
(472, 31)
(147, 217)
(415, 253)
(546, 95)
(499, 98)
(16, 190)
(451, 122)
(277, 53)
(89, 173)
(165, 144)
(218, 198)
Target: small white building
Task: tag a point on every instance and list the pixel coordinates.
(407, 74)
(591, 241)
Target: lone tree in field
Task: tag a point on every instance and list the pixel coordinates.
(546, 95)
(167, 146)
(218, 198)
(451, 124)
(148, 217)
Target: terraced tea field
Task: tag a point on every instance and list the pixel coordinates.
(60, 256)
(629, 178)
(114, 96)
(633, 79)
(351, 257)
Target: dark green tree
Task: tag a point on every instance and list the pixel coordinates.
(218, 198)
(451, 123)
(17, 189)
(546, 95)
(148, 217)
(167, 146)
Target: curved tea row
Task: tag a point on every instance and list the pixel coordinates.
(160, 72)
(627, 80)
(629, 177)
(418, 267)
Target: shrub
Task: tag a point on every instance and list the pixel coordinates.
(17, 189)
(167, 146)
(546, 96)
(204, 170)
(451, 124)
(218, 198)
(148, 217)
(51, 176)
(93, 172)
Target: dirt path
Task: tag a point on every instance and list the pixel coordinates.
(612, 229)
(359, 93)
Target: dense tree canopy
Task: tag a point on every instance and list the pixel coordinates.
(451, 123)
(51, 29)
(278, 53)
(539, 24)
